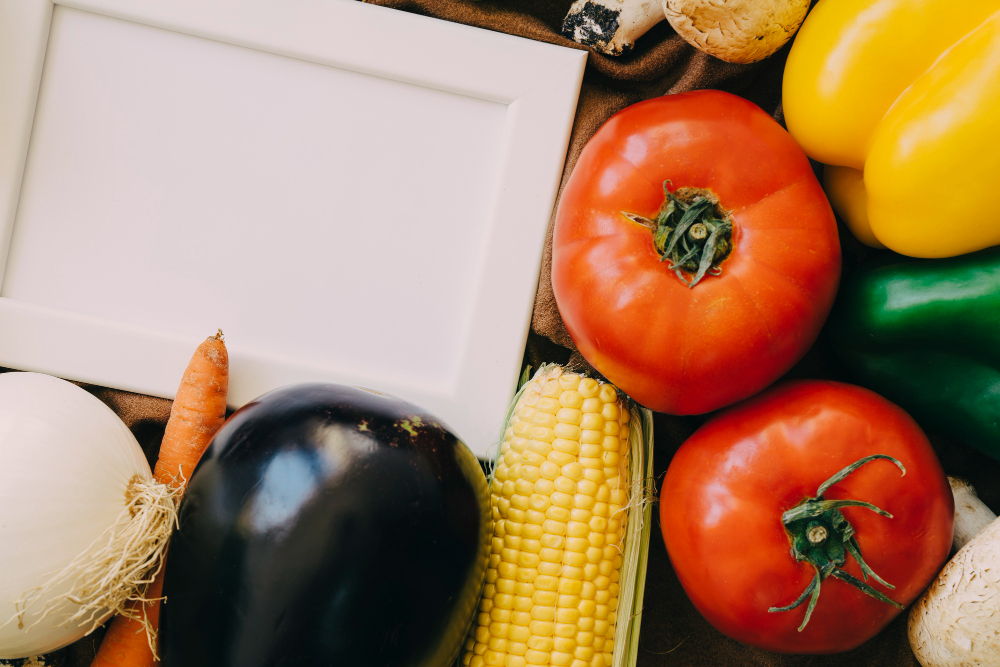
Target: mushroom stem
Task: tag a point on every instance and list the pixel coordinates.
(971, 515)
(611, 26)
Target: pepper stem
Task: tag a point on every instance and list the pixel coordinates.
(691, 232)
(821, 535)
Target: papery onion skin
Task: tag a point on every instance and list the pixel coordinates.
(327, 525)
(66, 460)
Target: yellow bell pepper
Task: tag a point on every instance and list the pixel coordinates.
(902, 99)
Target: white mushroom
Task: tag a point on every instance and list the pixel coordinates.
(737, 31)
(956, 622)
(611, 26)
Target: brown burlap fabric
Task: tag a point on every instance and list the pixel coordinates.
(673, 633)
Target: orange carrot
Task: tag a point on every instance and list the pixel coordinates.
(125, 643)
(198, 411)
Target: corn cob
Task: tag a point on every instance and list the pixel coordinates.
(559, 495)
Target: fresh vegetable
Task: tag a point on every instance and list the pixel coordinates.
(694, 256)
(743, 31)
(905, 91)
(611, 26)
(327, 525)
(81, 521)
(197, 413)
(924, 334)
(953, 624)
(972, 516)
(567, 547)
(791, 524)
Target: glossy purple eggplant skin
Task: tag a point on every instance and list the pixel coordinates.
(327, 525)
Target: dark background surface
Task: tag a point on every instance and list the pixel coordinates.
(673, 633)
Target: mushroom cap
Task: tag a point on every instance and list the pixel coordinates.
(740, 31)
(954, 623)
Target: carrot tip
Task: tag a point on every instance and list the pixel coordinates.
(219, 336)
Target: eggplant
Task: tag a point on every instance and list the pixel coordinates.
(327, 526)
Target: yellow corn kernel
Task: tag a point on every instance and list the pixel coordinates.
(520, 618)
(561, 458)
(552, 569)
(566, 446)
(528, 574)
(522, 603)
(557, 513)
(554, 527)
(557, 497)
(551, 555)
(570, 586)
(545, 598)
(573, 399)
(532, 530)
(543, 613)
(541, 635)
(561, 659)
(553, 540)
(563, 644)
(566, 630)
(532, 517)
(537, 657)
(593, 421)
(561, 499)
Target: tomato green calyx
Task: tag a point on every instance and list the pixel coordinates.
(821, 535)
(691, 231)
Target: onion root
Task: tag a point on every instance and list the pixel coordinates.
(115, 569)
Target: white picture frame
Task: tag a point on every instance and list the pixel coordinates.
(86, 144)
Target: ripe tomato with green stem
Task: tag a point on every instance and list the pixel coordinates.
(695, 256)
(804, 519)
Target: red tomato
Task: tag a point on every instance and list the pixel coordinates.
(726, 489)
(670, 347)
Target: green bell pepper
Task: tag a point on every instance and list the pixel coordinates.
(926, 335)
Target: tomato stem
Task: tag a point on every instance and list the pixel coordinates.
(821, 535)
(817, 534)
(691, 231)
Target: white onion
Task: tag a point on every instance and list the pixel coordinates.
(66, 461)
